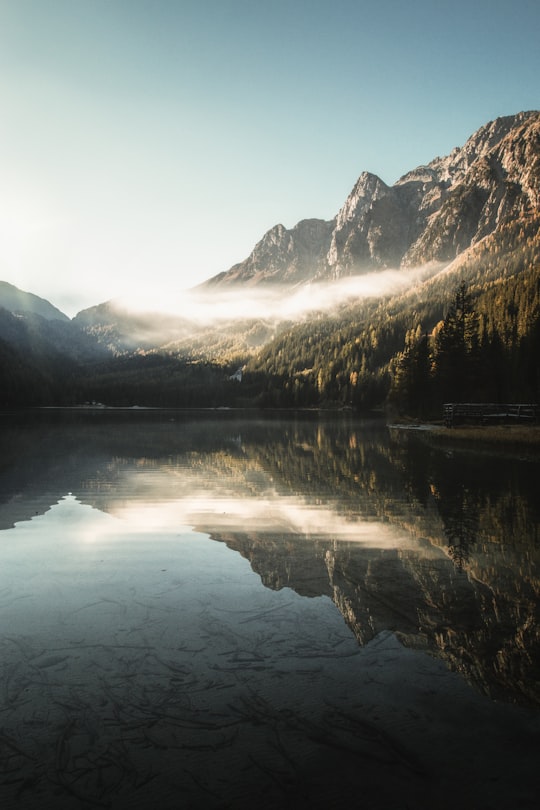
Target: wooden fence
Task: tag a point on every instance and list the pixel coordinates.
(485, 413)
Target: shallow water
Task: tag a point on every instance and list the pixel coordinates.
(216, 610)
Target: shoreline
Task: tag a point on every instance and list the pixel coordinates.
(521, 439)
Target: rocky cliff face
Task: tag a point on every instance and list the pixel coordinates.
(283, 256)
(433, 213)
(501, 183)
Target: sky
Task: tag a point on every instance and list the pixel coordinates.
(147, 145)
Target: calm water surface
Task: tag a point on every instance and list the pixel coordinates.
(228, 611)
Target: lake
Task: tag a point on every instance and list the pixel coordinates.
(228, 610)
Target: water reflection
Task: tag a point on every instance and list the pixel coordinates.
(459, 507)
(135, 630)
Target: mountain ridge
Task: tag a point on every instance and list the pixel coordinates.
(432, 213)
(20, 302)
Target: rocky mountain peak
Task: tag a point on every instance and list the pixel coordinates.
(367, 189)
(284, 256)
(433, 212)
(453, 167)
(501, 181)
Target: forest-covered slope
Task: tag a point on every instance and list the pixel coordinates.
(398, 350)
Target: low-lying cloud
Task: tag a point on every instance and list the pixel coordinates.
(225, 304)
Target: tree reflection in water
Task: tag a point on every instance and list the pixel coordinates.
(459, 509)
(322, 495)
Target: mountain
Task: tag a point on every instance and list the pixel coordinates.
(40, 349)
(283, 256)
(39, 330)
(19, 302)
(433, 213)
(122, 330)
(469, 221)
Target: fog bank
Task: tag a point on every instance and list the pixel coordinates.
(277, 303)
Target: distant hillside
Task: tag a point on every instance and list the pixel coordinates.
(17, 301)
(41, 350)
(121, 330)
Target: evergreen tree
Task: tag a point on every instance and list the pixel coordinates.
(456, 350)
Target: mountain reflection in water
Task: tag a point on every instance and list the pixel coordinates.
(110, 522)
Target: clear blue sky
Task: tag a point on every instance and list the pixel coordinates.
(146, 145)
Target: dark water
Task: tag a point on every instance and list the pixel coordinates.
(228, 611)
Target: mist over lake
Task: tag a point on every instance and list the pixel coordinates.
(221, 609)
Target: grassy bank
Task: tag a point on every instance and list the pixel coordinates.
(522, 439)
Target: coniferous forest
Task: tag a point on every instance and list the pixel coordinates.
(473, 336)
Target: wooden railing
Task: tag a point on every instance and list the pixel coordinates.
(489, 413)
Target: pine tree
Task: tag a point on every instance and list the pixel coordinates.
(456, 350)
